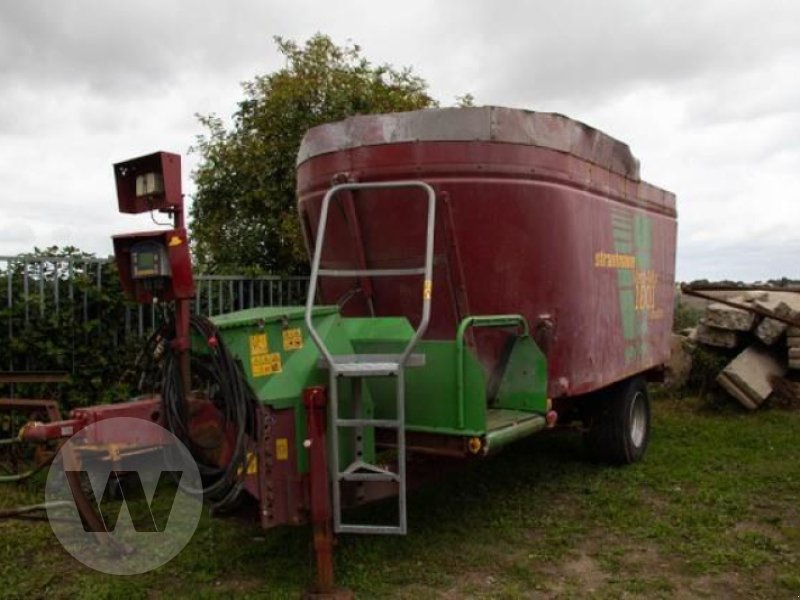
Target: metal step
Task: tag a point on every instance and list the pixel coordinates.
(364, 369)
(355, 472)
(369, 365)
(384, 423)
(374, 529)
(387, 476)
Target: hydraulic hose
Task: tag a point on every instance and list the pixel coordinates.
(232, 396)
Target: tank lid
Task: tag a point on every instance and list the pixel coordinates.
(250, 317)
(485, 124)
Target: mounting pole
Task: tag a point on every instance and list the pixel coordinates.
(315, 401)
(183, 310)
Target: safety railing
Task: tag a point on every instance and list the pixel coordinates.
(80, 293)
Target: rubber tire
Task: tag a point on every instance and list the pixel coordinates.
(610, 437)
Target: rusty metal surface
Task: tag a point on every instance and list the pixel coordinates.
(281, 490)
(525, 229)
(702, 293)
(714, 287)
(315, 402)
(48, 408)
(108, 431)
(427, 443)
(33, 377)
(15, 412)
(488, 124)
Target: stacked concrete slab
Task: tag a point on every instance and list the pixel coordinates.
(793, 347)
(765, 346)
(750, 376)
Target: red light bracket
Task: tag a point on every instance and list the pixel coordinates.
(151, 182)
(153, 264)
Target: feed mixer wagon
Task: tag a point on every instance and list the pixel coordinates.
(477, 275)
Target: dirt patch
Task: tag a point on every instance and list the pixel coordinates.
(722, 585)
(587, 571)
(581, 570)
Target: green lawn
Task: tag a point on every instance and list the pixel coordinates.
(711, 512)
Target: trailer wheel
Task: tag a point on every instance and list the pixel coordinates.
(619, 426)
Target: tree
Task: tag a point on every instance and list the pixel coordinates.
(67, 312)
(243, 214)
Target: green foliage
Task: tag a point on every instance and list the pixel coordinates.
(67, 321)
(465, 100)
(685, 316)
(243, 214)
(707, 363)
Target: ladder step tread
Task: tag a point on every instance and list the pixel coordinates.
(369, 477)
(381, 529)
(370, 468)
(364, 365)
(362, 369)
(387, 423)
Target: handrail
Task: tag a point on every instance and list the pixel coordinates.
(479, 321)
(427, 270)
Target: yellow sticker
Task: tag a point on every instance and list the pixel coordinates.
(292, 339)
(282, 449)
(175, 241)
(252, 464)
(265, 364)
(259, 343)
(259, 365)
(275, 362)
(427, 290)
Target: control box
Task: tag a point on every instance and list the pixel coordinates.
(155, 265)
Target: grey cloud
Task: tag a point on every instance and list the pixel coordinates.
(704, 92)
(585, 51)
(750, 260)
(121, 48)
(13, 231)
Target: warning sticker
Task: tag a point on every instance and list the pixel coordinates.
(292, 339)
(282, 449)
(259, 343)
(251, 464)
(427, 290)
(266, 364)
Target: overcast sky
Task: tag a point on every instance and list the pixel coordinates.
(707, 94)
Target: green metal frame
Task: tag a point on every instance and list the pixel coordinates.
(447, 396)
(478, 321)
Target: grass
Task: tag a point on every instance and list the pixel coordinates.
(711, 512)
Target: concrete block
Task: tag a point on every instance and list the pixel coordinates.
(753, 295)
(770, 331)
(793, 341)
(748, 376)
(727, 317)
(789, 304)
(794, 365)
(794, 353)
(713, 336)
(793, 331)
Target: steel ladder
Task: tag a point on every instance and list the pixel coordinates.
(357, 367)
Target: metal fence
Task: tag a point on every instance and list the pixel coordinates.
(74, 291)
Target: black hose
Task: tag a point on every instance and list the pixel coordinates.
(232, 396)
